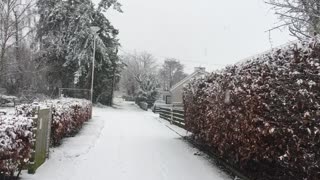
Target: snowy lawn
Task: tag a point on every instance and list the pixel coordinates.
(7, 110)
(126, 143)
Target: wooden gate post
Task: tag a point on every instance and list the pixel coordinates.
(171, 113)
(35, 118)
(41, 138)
(49, 132)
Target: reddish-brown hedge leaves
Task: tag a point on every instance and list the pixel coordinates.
(262, 115)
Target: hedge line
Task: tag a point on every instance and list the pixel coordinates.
(68, 116)
(262, 115)
(15, 143)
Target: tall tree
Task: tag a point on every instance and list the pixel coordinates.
(301, 16)
(67, 43)
(171, 73)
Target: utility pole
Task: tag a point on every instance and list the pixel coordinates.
(93, 64)
(95, 29)
(113, 83)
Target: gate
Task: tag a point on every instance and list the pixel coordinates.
(41, 138)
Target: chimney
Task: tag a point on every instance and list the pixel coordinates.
(199, 69)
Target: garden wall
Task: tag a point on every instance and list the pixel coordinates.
(262, 115)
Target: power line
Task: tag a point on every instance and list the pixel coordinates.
(182, 59)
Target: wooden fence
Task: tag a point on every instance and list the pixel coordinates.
(174, 114)
(41, 138)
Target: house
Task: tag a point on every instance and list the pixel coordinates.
(164, 96)
(177, 90)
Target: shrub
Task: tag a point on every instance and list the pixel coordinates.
(143, 105)
(262, 115)
(68, 116)
(15, 143)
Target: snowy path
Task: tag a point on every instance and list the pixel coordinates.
(125, 144)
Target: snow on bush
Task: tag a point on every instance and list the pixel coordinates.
(262, 115)
(7, 100)
(68, 116)
(15, 142)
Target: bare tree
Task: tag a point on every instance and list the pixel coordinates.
(139, 74)
(15, 26)
(301, 16)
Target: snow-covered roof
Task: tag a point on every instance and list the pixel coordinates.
(186, 79)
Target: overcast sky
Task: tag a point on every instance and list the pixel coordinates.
(209, 33)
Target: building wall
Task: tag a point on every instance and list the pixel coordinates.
(176, 94)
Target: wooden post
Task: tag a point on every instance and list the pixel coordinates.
(35, 118)
(171, 113)
(49, 132)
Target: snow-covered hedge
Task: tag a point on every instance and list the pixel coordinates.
(7, 100)
(15, 142)
(262, 115)
(143, 105)
(68, 116)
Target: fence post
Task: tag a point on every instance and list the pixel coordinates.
(171, 113)
(35, 118)
(49, 132)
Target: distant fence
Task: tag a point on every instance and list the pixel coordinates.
(174, 114)
(41, 138)
(156, 109)
(12, 101)
(75, 93)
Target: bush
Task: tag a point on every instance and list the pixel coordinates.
(149, 97)
(68, 116)
(143, 105)
(262, 115)
(15, 143)
(128, 98)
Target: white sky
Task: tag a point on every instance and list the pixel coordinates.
(209, 33)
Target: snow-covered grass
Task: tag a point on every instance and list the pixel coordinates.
(7, 110)
(125, 143)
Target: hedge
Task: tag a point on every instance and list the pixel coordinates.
(15, 143)
(143, 106)
(262, 115)
(68, 116)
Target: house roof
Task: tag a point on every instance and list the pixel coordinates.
(183, 81)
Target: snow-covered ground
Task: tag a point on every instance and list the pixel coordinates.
(126, 143)
(7, 110)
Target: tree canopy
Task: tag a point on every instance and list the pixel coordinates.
(67, 43)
